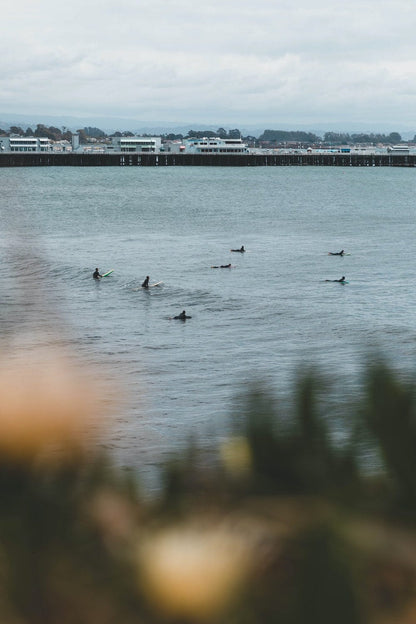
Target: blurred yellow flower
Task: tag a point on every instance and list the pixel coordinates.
(44, 401)
(193, 573)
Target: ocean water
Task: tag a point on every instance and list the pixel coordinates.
(262, 320)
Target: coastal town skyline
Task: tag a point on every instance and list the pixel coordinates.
(251, 65)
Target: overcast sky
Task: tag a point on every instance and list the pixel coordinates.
(225, 62)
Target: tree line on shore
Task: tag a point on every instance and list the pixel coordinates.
(271, 137)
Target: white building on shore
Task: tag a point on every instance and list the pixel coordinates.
(25, 144)
(215, 145)
(135, 144)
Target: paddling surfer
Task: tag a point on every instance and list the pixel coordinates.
(241, 250)
(222, 266)
(337, 253)
(339, 280)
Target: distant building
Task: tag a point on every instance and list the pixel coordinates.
(174, 147)
(135, 144)
(215, 145)
(62, 146)
(25, 144)
(75, 142)
(398, 149)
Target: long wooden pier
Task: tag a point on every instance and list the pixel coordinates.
(136, 159)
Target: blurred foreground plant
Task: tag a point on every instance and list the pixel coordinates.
(279, 524)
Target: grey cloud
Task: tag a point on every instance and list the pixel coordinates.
(240, 60)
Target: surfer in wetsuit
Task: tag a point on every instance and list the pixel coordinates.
(96, 274)
(222, 266)
(241, 250)
(146, 282)
(182, 316)
(337, 253)
(340, 280)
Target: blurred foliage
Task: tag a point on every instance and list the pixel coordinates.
(283, 522)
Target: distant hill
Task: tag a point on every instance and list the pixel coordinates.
(112, 124)
(107, 124)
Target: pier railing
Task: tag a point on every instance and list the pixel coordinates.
(137, 159)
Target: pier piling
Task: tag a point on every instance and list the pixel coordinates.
(140, 159)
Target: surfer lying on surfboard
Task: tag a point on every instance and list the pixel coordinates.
(241, 250)
(336, 253)
(222, 266)
(340, 280)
